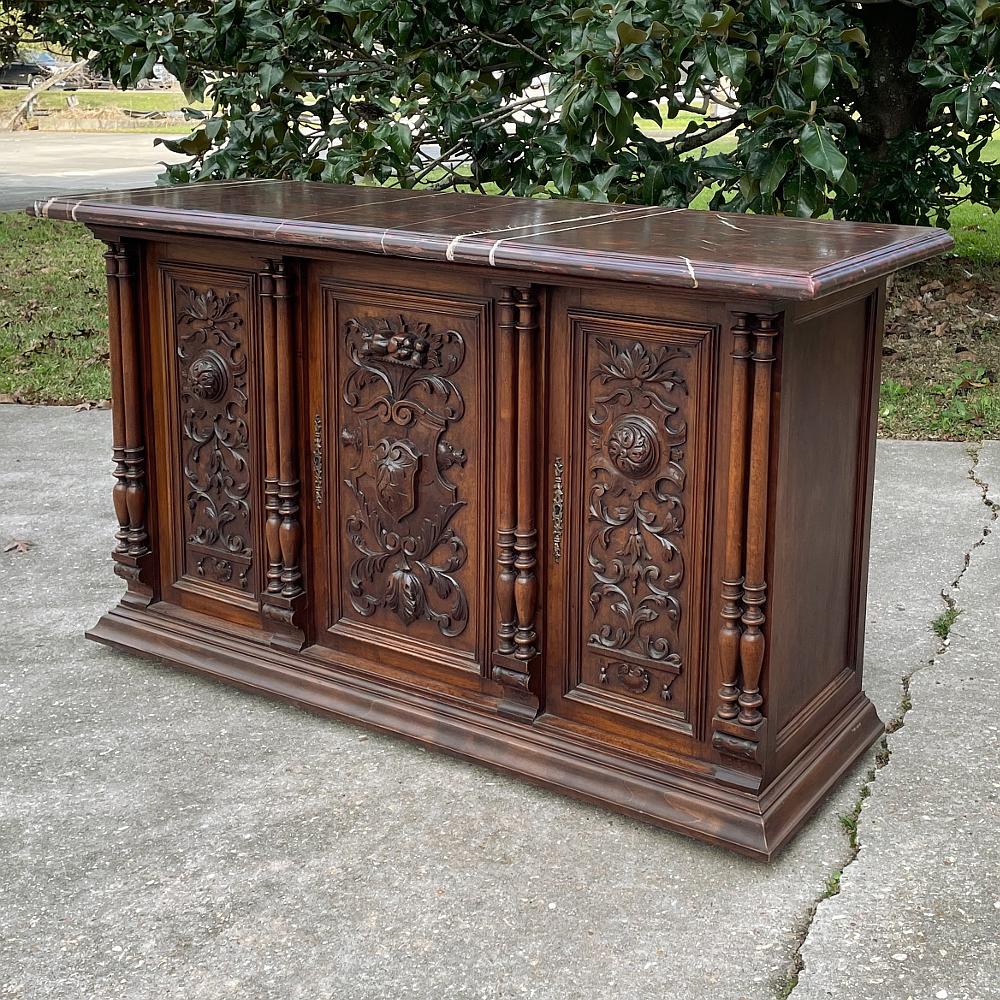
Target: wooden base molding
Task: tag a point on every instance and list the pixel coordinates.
(706, 808)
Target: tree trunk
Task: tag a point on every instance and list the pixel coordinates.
(890, 100)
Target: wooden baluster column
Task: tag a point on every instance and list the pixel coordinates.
(732, 583)
(506, 474)
(118, 400)
(272, 526)
(132, 554)
(738, 726)
(284, 596)
(526, 532)
(516, 658)
(755, 586)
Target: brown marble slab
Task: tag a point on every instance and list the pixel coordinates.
(763, 256)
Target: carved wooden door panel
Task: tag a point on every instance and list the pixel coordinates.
(628, 465)
(403, 441)
(206, 352)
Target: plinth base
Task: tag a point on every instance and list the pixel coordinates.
(712, 804)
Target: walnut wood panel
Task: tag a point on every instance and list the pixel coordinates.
(405, 446)
(209, 359)
(830, 367)
(635, 460)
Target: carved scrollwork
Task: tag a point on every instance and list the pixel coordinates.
(213, 392)
(401, 401)
(317, 457)
(558, 508)
(636, 497)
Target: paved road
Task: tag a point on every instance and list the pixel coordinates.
(37, 165)
(163, 836)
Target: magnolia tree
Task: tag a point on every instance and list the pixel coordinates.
(878, 110)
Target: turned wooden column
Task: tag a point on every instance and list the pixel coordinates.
(755, 585)
(506, 474)
(515, 661)
(272, 525)
(118, 400)
(739, 723)
(732, 582)
(284, 597)
(132, 553)
(526, 532)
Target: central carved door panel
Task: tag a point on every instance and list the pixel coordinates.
(628, 467)
(402, 444)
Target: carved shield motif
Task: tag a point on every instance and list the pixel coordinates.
(396, 466)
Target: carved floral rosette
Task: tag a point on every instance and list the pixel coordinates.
(400, 402)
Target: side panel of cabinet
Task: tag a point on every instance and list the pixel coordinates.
(403, 435)
(205, 350)
(826, 450)
(631, 469)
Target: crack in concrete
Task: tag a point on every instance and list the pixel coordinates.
(786, 989)
(992, 505)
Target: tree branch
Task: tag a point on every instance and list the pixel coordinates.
(685, 143)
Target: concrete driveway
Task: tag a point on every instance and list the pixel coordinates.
(164, 836)
(36, 165)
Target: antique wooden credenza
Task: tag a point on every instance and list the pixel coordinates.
(578, 491)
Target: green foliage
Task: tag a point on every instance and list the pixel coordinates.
(942, 625)
(878, 111)
(832, 884)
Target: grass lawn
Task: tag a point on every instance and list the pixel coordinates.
(99, 100)
(941, 369)
(53, 317)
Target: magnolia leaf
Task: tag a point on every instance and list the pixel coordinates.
(271, 75)
(816, 74)
(611, 101)
(628, 34)
(732, 63)
(777, 168)
(968, 105)
(821, 153)
(855, 36)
